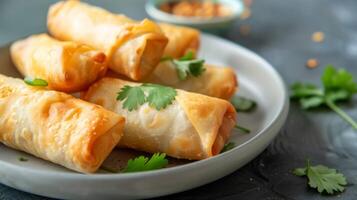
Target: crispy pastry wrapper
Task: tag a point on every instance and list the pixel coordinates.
(56, 126)
(220, 82)
(193, 127)
(181, 40)
(133, 48)
(66, 66)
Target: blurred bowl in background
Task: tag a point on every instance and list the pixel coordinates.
(215, 24)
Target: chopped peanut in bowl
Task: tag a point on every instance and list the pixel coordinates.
(202, 9)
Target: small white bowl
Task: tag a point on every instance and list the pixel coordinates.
(213, 25)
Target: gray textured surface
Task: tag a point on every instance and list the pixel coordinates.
(281, 31)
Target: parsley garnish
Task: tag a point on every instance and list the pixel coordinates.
(142, 163)
(187, 65)
(35, 81)
(228, 146)
(338, 85)
(22, 159)
(157, 96)
(243, 129)
(243, 104)
(322, 178)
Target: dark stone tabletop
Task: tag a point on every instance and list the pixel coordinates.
(280, 31)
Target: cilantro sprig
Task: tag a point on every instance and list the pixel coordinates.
(35, 81)
(322, 178)
(228, 146)
(158, 96)
(242, 129)
(142, 163)
(243, 104)
(23, 159)
(109, 169)
(338, 85)
(187, 65)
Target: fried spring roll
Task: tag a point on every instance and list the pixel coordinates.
(133, 48)
(66, 66)
(181, 40)
(56, 126)
(193, 127)
(220, 82)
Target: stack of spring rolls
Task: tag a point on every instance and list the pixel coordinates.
(84, 44)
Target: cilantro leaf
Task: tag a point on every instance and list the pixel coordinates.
(327, 179)
(166, 58)
(22, 159)
(157, 161)
(336, 80)
(35, 81)
(299, 171)
(311, 102)
(322, 178)
(134, 96)
(243, 104)
(188, 56)
(136, 164)
(186, 65)
(158, 96)
(189, 67)
(243, 129)
(142, 163)
(109, 169)
(338, 85)
(228, 147)
(305, 90)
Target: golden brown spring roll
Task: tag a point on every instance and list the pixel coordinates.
(181, 40)
(133, 48)
(193, 127)
(220, 82)
(66, 66)
(56, 126)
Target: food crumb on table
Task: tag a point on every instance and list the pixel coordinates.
(318, 36)
(245, 30)
(312, 63)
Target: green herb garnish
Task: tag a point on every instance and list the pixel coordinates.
(242, 104)
(322, 178)
(22, 159)
(166, 58)
(243, 129)
(157, 96)
(187, 65)
(188, 56)
(228, 146)
(338, 85)
(109, 169)
(142, 163)
(35, 81)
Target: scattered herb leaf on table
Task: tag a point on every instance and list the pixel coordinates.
(338, 85)
(322, 178)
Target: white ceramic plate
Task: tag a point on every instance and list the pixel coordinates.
(257, 79)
